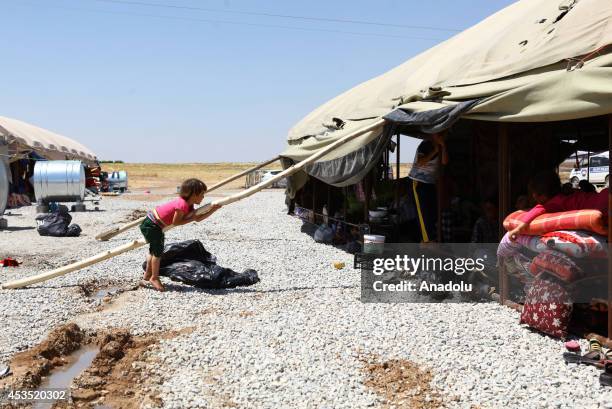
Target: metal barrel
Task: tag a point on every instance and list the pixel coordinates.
(59, 181)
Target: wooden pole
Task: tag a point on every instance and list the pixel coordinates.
(397, 182)
(107, 235)
(330, 211)
(503, 182)
(200, 211)
(313, 182)
(345, 210)
(440, 189)
(609, 235)
(367, 188)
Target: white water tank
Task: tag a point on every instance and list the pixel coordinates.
(118, 180)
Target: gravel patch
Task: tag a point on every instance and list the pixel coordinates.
(297, 338)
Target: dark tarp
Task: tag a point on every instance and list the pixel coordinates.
(351, 168)
(427, 122)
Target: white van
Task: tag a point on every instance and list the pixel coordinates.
(596, 172)
(270, 174)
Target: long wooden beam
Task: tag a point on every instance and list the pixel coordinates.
(109, 234)
(200, 211)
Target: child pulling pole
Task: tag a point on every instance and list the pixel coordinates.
(176, 213)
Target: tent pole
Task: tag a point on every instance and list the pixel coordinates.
(503, 176)
(329, 208)
(314, 199)
(397, 180)
(344, 210)
(609, 236)
(107, 235)
(440, 190)
(200, 211)
(368, 192)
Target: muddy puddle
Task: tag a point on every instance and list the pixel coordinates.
(62, 377)
(101, 294)
(102, 369)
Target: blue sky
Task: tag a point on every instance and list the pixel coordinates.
(162, 84)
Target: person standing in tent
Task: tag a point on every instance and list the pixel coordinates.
(430, 155)
(176, 212)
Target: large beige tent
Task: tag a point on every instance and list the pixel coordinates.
(534, 61)
(22, 137)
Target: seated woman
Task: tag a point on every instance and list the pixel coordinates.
(546, 191)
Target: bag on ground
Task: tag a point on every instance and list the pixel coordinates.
(190, 263)
(57, 224)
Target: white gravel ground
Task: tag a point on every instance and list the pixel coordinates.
(294, 339)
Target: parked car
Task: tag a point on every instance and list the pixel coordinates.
(270, 174)
(596, 172)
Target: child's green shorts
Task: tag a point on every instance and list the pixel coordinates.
(154, 236)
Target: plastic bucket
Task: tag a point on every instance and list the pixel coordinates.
(373, 243)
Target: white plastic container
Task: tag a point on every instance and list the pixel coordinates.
(373, 243)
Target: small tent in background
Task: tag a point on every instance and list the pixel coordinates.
(21, 144)
(534, 61)
(23, 138)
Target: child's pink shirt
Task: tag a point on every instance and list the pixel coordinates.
(574, 201)
(166, 211)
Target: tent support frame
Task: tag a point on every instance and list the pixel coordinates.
(503, 199)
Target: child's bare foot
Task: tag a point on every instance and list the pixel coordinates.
(157, 284)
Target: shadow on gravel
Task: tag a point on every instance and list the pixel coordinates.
(18, 228)
(224, 291)
(47, 287)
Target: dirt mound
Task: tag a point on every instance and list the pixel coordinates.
(403, 384)
(114, 376)
(30, 366)
(117, 376)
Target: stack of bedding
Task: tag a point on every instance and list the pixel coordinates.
(550, 258)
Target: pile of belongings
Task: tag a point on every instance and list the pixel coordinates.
(558, 259)
(190, 263)
(57, 224)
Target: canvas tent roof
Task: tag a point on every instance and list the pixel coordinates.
(22, 136)
(514, 63)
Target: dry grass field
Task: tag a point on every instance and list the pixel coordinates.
(163, 178)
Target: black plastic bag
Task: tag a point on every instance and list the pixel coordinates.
(57, 224)
(74, 230)
(190, 263)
